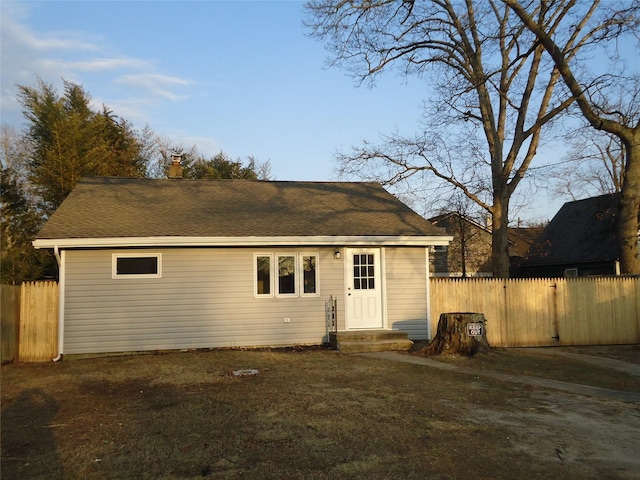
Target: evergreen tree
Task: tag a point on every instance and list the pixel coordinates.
(220, 166)
(65, 139)
(20, 219)
(68, 140)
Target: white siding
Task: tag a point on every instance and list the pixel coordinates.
(204, 299)
(406, 290)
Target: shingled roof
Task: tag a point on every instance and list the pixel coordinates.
(582, 231)
(114, 207)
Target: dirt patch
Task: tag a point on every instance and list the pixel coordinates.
(312, 414)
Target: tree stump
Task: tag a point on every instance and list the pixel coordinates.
(459, 334)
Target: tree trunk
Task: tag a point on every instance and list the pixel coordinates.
(459, 334)
(623, 129)
(628, 221)
(500, 237)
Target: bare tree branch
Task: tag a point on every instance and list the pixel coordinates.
(495, 95)
(619, 18)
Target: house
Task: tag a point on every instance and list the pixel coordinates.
(520, 240)
(580, 240)
(469, 253)
(176, 264)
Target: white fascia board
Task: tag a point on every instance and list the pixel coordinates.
(136, 242)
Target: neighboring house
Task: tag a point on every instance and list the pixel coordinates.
(580, 240)
(520, 240)
(175, 264)
(469, 253)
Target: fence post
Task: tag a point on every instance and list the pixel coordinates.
(10, 322)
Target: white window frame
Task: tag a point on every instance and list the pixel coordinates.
(114, 265)
(274, 258)
(301, 274)
(296, 273)
(255, 275)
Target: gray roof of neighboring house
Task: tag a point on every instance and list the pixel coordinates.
(111, 207)
(582, 231)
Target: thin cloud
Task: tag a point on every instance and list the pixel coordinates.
(133, 109)
(155, 83)
(20, 34)
(106, 64)
(78, 57)
(49, 42)
(207, 146)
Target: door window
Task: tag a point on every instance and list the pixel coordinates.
(364, 272)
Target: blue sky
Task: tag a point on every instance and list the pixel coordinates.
(240, 77)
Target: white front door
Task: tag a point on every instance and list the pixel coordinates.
(364, 289)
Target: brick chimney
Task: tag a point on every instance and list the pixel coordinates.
(175, 170)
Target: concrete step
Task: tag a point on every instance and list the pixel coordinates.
(362, 341)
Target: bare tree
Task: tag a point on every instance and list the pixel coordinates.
(492, 94)
(596, 160)
(605, 25)
(470, 250)
(594, 165)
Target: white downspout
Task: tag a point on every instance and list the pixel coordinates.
(60, 258)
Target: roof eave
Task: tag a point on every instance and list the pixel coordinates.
(340, 240)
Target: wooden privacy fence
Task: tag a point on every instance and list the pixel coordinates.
(30, 320)
(519, 312)
(545, 311)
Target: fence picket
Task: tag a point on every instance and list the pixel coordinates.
(519, 312)
(38, 322)
(532, 312)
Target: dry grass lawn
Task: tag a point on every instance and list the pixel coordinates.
(309, 414)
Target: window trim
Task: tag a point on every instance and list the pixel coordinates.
(301, 256)
(255, 275)
(274, 276)
(114, 265)
(296, 280)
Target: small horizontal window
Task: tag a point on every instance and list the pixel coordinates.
(136, 266)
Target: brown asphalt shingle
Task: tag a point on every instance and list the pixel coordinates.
(107, 207)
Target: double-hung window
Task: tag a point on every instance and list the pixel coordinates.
(285, 275)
